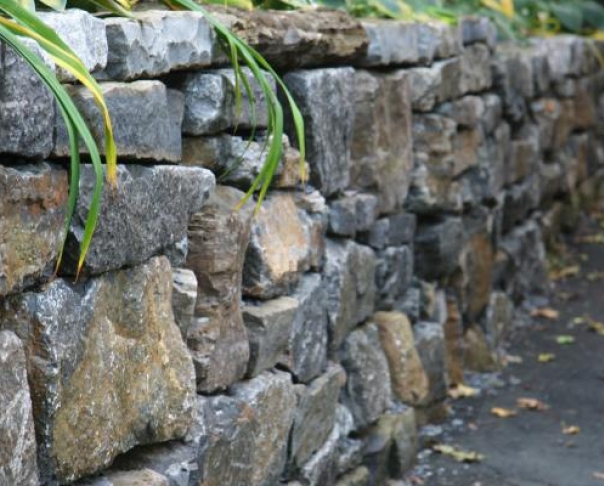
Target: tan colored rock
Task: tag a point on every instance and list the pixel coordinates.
(453, 328)
(218, 238)
(479, 259)
(407, 375)
(107, 367)
(144, 477)
(32, 211)
(478, 356)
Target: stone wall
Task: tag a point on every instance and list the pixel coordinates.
(203, 346)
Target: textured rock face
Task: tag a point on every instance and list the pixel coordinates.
(407, 375)
(84, 34)
(269, 326)
(158, 42)
(79, 341)
(437, 248)
(367, 391)
(351, 213)
(218, 238)
(326, 99)
(350, 285)
(184, 298)
(393, 275)
(32, 214)
(246, 432)
(17, 438)
(27, 109)
(385, 42)
(147, 215)
(430, 344)
(146, 119)
(280, 247)
(381, 147)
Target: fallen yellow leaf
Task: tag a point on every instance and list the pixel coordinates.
(546, 357)
(503, 412)
(462, 391)
(512, 359)
(565, 339)
(458, 454)
(597, 238)
(578, 320)
(593, 276)
(571, 430)
(595, 326)
(531, 404)
(564, 272)
(546, 312)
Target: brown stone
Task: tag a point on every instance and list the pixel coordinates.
(453, 328)
(407, 376)
(218, 238)
(478, 356)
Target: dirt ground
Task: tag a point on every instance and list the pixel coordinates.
(537, 448)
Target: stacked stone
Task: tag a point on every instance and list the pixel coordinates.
(302, 345)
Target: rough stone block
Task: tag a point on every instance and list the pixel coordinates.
(394, 230)
(525, 155)
(84, 34)
(27, 108)
(315, 415)
(184, 297)
(407, 376)
(476, 68)
(18, 464)
(430, 345)
(218, 237)
(210, 102)
(350, 286)
(467, 112)
(326, 100)
(498, 319)
(391, 43)
(358, 477)
(280, 247)
(146, 215)
(352, 213)
(146, 120)
(246, 432)
(145, 477)
(32, 211)
(111, 370)
(269, 326)
(437, 248)
(424, 86)
(381, 150)
(393, 274)
(478, 30)
(519, 200)
(306, 355)
(546, 113)
(157, 42)
(367, 392)
(492, 113)
(451, 75)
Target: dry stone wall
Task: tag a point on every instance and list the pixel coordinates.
(307, 344)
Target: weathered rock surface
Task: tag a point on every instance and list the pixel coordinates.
(326, 100)
(320, 468)
(146, 120)
(218, 237)
(391, 43)
(157, 42)
(146, 215)
(246, 432)
(357, 477)
(367, 392)
(407, 376)
(351, 213)
(184, 298)
(269, 326)
(350, 286)
(478, 30)
(306, 355)
(476, 68)
(98, 357)
(27, 109)
(143, 477)
(17, 437)
(393, 275)
(315, 414)
(84, 34)
(32, 210)
(437, 248)
(395, 230)
(381, 140)
(430, 344)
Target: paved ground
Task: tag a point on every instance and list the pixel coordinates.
(530, 449)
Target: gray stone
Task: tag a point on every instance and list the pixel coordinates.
(546, 113)
(84, 34)
(146, 477)
(157, 42)
(437, 248)
(352, 213)
(466, 112)
(391, 43)
(411, 303)
(184, 296)
(476, 68)
(269, 326)
(519, 200)
(394, 230)
(424, 86)
(478, 29)
(244, 440)
(321, 467)
(432, 193)
(306, 355)
(525, 156)
(358, 477)
(27, 108)
(434, 136)
(498, 319)
(568, 55)
(350, 286)
(218, 238)
(393, 274)
(430, 344)
(493, 111)
(146, 215)
(32, 211)
(326, 100)
(210, 102)
(79, 341)
(17, 437)
(146, 120)
(315, 416)
(381, 140)
(551, 181)
(451, 75)
(367, 391)
(437, 40)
